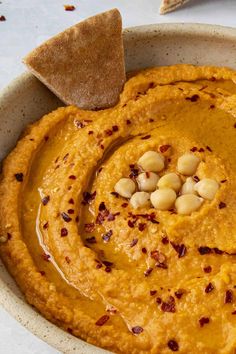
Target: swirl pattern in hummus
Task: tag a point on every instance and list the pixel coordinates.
(85, 259)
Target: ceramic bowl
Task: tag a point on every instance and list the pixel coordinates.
(25, 100)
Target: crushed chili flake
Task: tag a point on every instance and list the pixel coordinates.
(89, 227)
(45, 226)
(91, 240)
(203, 321)
(124, 205)
(70, 330)
(196, 178)
(128, 121)
(209, 288)
(194, 98)
(64, 232)
(208, 148)
(180, 249)
(79, 124)
(106, 237)
(153, 292)
(151, 120)
(45, 200)
(72, 177)
(67, 259)
(71, 201)
(102, 320)
(201, 150)
(173, 345)
(77, 218)
(161, 265)
(169, 305)
(158, 256)
(46, 138)
(207, 269)
(19, 177)
(204, 250)
(193, 149)
(233, 313)
(228, 297)
(165, 240)
(65, 217)
(144, 250)
(217, 251)
(134, 172)
(222, 205)
(108, 132)
(42, 272)
(108, 269)
(158, 300)
(69, 7)
(115, 128)
(179, 293)
(148, 272)
(45, 257)
(146, 137)
(212, 106)
(9, 236)
(2, 18)
(141, 226)
(223, 181)
(111, 216)
(90, 132)
(88, 197)
(70, 211)
(134, 242)
(164, 148)
(99, 265)
(115, 194)
(102, 216)
(130, 223)
(137, 330)
(102, 206)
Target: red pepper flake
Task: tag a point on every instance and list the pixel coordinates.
(201, 150)
(228, 297)
(111, 216)
(115, 128)
(79, 124)
(90, 132)
(128, 121)
(196, 178)
(165, 240)
(45, 200)
(194, 98)
(2, 18)
(134, 172)
(42, 272)
(91, 240)
(99, 265)
(179, 293)
(148, 272)
(69, 7)
(89, 227)
(144, 250)
(164, 148)
(124, 205)
(204, 250)
(19, 177)
(153, 292)
(102, 206)
(108, 132)
(108, 269)
(134, 242)
(208, 148)
(233, 313)
(102, 320)
(141, 226)
(146, 137)
(173, 345)
(223, 181)
(102, 147)
(137, 330)
(169, 305)
(64, 232)
(222, 205)
(158, 300)
(46, 138)
(180, 249)
(194, 149)
(65, 217)
(68, 260)
(217, 251)
(45, 257)
(9, 236)
(115, 194)
(203, 321)
(151, 120)
(234, 125)
(45, 226)
(212, 78)
(209, 288)
(71, 201)
(207, 269)
(70, 330)
(130, 223)
(70, 211)
(88, 197)
(212, 106)
(72, 177)
(77, 218)
(158, 256)
(106, 237)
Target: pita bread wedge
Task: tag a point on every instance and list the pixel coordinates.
(170, 5)
(84, 65)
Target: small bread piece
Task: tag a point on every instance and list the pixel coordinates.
(84, 65)
(170, 5)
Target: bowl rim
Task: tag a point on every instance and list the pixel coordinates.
(16, 305)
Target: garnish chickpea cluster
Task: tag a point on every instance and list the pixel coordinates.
(178, 191)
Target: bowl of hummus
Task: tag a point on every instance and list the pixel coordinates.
(118, 224)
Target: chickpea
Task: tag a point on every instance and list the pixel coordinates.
(140, 199)
(125, 187)
(147, 181)
(207, 188)
(187, 204)
(187, 164)
(170, 180)
(188, 186)
(152, 161)
(163, 199)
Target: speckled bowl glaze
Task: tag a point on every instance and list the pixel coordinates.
(25, 100)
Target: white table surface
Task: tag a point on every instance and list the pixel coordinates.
(30, 22)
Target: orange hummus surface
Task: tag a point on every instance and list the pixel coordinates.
(86, 259)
